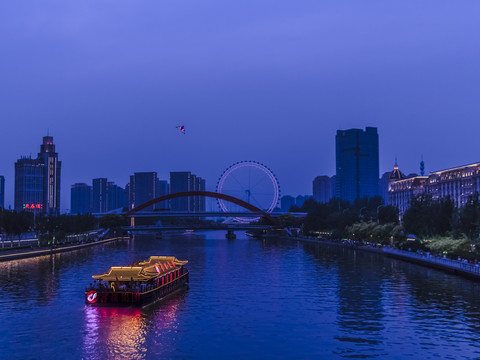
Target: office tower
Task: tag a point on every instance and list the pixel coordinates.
(163, 188)
(323, 189)
(80, 199)
(29, 179)
(37, 181)
(2, 192)
(182, 181)
(51, 176)
(357, 163)
(116, 196)
(142, 188)
(99, 195)
(107, 196)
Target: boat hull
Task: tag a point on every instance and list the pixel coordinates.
(120, 298)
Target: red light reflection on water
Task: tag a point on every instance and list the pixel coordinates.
(122, 333)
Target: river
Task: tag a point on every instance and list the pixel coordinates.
(247, 299)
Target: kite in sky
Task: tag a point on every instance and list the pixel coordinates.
(181, 128)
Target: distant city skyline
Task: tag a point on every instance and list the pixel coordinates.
(248, 83)
(66, 196)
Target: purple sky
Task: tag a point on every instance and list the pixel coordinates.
(269, 80)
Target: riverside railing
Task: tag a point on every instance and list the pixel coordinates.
(449, 263)
(427, 258)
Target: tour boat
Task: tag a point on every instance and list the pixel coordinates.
(139, 284)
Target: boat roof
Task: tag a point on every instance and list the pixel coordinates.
(154, 267)
(161, 259)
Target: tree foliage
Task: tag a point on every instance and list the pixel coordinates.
(337, 214)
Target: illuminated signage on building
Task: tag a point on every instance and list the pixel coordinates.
(33, 206)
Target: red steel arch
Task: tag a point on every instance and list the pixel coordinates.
(210, 194)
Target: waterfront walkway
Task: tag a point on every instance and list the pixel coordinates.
(28, 253)
(461, 267)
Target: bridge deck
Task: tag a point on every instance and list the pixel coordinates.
(198, 227)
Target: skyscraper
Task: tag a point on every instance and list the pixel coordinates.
(51, 176)
(116, 196)
(37, 181)
(357, 163)
(81, 199)
(323, 188)
(142, 188)
(163, 188)
(181, 181)
(99, 195)
(107, 196)
(2, 192)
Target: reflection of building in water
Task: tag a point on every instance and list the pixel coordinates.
(360, 310)
(123, 333)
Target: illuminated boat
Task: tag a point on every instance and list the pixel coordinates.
(139, 284)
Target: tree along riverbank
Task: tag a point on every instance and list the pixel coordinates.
(437, 226)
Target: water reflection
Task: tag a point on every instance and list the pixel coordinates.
(36, 281)
(247, 299)
(125, 333)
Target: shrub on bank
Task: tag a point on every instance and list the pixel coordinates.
(452, 247)
(385, 234)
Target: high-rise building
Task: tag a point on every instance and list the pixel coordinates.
(323, 188)
(200, 201)
(163, 188)
(181, 181)
(2, 192)
(29, 174)
(29, 185)
(99, 195)
(80, 199)
(107, 196)
(116, 196)
(51, 176)
(37, 181)
(142, 188)
(357, 163)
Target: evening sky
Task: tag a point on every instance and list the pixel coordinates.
(265, 80)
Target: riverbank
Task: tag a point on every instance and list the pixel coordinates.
(458, 267)
(49, 251)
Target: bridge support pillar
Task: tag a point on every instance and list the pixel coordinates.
(132, 222)
(230, 234)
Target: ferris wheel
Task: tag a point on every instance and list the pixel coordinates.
(252, 182)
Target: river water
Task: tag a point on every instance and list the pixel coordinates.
(247, 299)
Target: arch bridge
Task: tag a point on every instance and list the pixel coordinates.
(255, 210)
